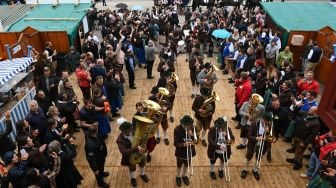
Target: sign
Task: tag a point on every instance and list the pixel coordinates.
(16, 49)
(85, 25)
(297, 40)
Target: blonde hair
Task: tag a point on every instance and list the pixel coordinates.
(52, 109)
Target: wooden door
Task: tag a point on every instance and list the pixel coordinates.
(327, 107)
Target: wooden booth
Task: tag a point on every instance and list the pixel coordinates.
(300, 21)
(58, 24)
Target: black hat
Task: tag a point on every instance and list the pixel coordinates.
(8, 157)
(126, 126)
(205, 91)
(166, 73)
(267, 116)
(187, 120)
(220, 123)
(155, 90)
(207, 65)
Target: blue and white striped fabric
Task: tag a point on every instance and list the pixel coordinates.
(9, 68)
(19, 111)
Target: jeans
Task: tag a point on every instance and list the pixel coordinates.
(314, 164)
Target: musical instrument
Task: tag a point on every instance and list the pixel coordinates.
(270, 136)
(229, 141)
(189, 150)
(144, 127)
(170, 86)
(210, 76)
(163, 93)
(207, 107)
(153, 112)
(252, 111)
(260, 151)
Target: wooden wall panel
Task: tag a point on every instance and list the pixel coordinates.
(327, 106)
(36, 39)
(7, 38)
(59, 39)
(325, 38)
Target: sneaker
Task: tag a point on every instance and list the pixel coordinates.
(171, 119)
(297, 166)
(192, 96)
(115, 115)
(178, 181)
(304, 176)
(157, 140)
(256, 175)
(241, 146)
(234, 118)
(291, 150)
(185, 180)
(104, 185)
(243, 174)
(133, 182)
(292, 160)
(144, 178)
(213, 175)
(221, 174)
(204, 143)
(105, 174)
(132, 87)
(166, 141)
(225, 72)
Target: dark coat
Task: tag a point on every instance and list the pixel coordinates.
(251, 136)
(6, 143)
(112, 88)
(16, 175)
(285, 98)
(213, 146)
(249, 63)
(179, 140)
(125, 148)
(280, 120)
(68, 175)
(96, 152)
(43, 103)
(161, 69)
(307, 128)
(197, 104)
(52, 93)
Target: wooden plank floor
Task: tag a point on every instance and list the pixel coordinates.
(161, 170)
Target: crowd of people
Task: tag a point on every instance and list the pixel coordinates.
(271, 100)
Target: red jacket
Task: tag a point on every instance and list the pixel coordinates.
(243, 92)
(82, 77)
(304, 86)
